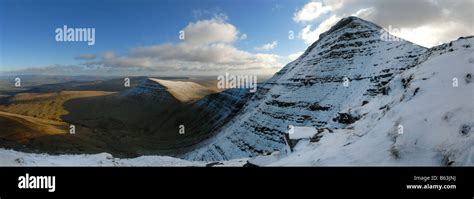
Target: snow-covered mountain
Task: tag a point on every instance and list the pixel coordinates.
(361, 86)
(150, 90)
(160, 89)
(433, 103)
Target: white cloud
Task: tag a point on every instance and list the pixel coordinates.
(208, 45)
(309, 36)
(365, 12)
(268, 46)
(424, 22)
(214, 30)
(316, 8)
(294, 56)
(311, 11)
(431, 34)
(216, 53)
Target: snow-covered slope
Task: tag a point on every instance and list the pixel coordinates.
(436, 117)
(14, 158)
(149, 90)
(183, 91)
(311, 91)
(153, 89)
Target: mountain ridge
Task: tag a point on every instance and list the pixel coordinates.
(309, 91)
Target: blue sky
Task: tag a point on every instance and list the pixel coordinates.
(28, 27)
(251, 36)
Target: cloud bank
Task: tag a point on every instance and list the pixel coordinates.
(208, 45)
(268, 46)
(425, 22)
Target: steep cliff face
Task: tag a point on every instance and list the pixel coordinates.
(427, 119)
(346, 68)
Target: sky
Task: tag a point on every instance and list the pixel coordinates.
(142, 37)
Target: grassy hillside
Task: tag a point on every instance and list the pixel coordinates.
(106, 121)
(45, 105)
(23, 128)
